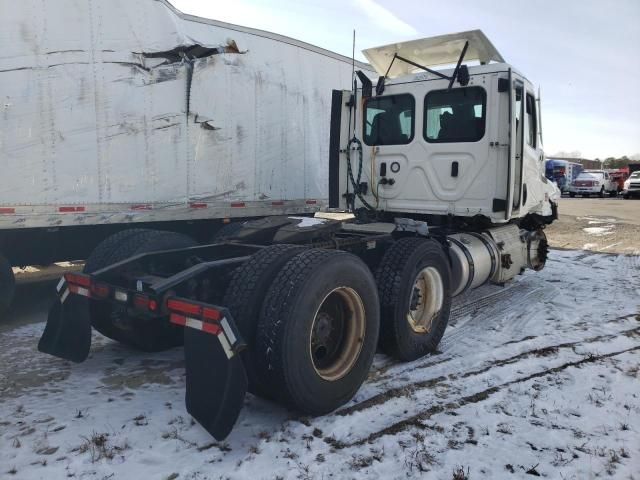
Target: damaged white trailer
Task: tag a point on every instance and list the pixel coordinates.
(127, 112)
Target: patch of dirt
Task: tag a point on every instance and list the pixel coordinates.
(598, 234)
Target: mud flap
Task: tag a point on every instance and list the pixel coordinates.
(216, 383)
(68, 331)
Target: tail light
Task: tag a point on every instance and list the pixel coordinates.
(145, 303)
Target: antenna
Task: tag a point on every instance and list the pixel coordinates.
(353, 55)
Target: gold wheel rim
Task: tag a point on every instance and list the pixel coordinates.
(426, 300)
(337, 333)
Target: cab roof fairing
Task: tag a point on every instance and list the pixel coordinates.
(432, 51)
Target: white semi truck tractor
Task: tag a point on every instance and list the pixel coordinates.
(443, 170)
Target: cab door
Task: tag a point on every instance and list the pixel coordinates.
(516, 151)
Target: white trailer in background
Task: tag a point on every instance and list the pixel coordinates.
(130, 112)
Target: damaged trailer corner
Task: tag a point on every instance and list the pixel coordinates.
(132, 114)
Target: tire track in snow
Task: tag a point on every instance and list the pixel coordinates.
(410, 388)
(475, 315)
(415, 420)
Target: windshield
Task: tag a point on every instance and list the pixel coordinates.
(635, 174)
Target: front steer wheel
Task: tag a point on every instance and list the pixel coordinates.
(318, 330)
(414, 284)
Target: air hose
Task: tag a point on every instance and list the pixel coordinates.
(356, 182)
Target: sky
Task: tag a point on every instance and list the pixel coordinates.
(583, 54)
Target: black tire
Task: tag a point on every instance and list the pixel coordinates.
(601, 194)
(227, 232)
(244, 298)
(7, 285)
(396, 277)
(149, 335)
(100, 256)
(613, 193)
(572, 195)
(306, 283)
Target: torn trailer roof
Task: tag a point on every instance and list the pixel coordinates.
(131, 111)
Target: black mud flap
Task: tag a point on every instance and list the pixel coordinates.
(216, 382)
(68, 331)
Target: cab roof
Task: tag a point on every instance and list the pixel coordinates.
(439, 50)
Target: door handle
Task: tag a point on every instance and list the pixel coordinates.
(454, 169)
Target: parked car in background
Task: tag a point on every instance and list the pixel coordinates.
(632, 186)
(593, 182)
(619, 176)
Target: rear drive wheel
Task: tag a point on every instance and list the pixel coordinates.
(414, 285)
(318, 330)
(572, 194)
(244, 298)
(7, 285)
(112, 321)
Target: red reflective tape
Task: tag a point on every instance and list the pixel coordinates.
(198, 205)
(211, 328)
(7, 210)
(141, 207)
(184, 307)
(70, 209)
(211, 313)
(237, 204)
(78, 279)
(277, 204)
(178, 319)
(311, 202)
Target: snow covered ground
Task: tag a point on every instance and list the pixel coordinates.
(539, 378)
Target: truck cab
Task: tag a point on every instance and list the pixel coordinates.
(463, 141)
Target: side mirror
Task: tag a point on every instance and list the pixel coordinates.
(366, 84)
(380, 85)
(463, 75)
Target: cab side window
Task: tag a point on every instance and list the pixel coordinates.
(389, 120)
(456, 115)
